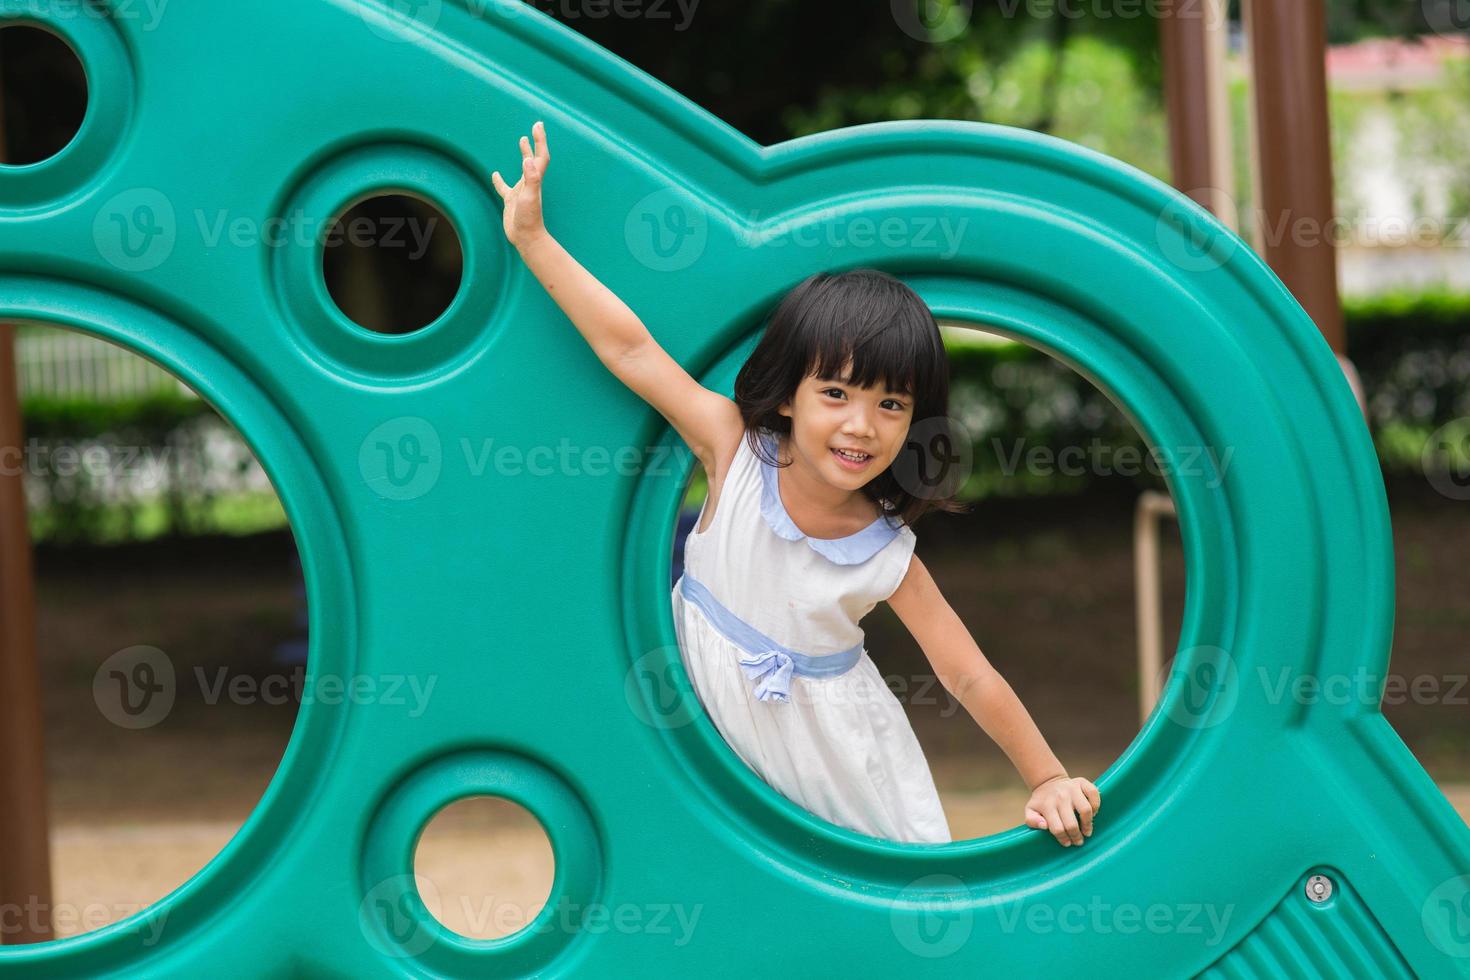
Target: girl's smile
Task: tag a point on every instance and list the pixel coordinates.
(854, 462)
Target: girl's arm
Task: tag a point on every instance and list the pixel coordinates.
(966, 674)
(708, 422)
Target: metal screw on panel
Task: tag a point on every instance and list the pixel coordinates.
(1319, 888)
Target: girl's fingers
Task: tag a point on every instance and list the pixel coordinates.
(525, 148)
(542, 153)
(1084, 809)
(1054, 823)
(1093, 796)
(1034, 819)
(499, 184)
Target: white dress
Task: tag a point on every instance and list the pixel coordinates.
(767, 622)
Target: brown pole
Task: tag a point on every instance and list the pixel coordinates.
(1192, 46)
(1288, 43)
(25, 856)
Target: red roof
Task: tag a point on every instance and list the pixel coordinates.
(1394, 58)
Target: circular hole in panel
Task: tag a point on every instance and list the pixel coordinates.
(45, 93)
(484, 867)
(392, 263)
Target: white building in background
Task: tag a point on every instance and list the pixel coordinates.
(1403, 229)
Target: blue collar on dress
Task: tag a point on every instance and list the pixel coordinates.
(853, 549)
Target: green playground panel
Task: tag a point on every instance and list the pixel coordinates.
(1245, 834)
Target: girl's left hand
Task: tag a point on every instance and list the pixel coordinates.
(1052, 804)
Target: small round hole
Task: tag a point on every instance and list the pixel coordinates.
(393, 263)
(45, 93)
(485, 867)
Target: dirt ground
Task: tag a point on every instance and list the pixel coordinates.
(1046, 588)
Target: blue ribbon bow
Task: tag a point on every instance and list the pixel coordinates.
(770, 671)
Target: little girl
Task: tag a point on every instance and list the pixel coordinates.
(805, 529)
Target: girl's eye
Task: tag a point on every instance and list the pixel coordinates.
(828, 391)
(897, 406)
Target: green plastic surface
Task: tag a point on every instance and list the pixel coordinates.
(537, 595)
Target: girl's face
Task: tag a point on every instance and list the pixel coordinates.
(829, 414)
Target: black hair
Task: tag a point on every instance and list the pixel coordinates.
(890, 335)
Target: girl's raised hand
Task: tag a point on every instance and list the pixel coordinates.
(523, 201)
(1057, 805)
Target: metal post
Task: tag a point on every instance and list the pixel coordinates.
(1192, 45)
(25, 854)
(1288, 44)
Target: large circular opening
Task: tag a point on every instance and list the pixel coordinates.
(171, 625)
(1068, 572)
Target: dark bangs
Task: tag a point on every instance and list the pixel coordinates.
(893, 341)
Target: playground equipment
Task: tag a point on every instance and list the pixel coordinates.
(1245, 833)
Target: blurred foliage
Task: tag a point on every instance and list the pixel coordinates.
(776, 69)
(136, 468)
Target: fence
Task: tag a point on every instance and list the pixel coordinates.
(64, 363)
